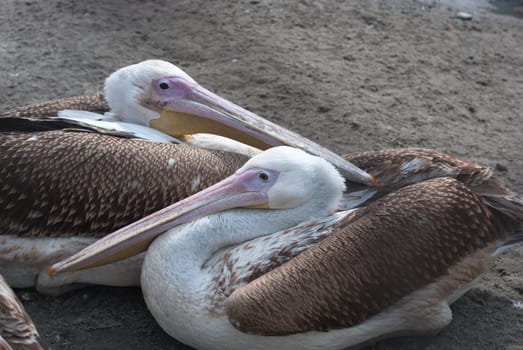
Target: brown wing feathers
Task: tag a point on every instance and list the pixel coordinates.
(395, 168)
(67, 183)
(94, 103)
(383, 252)
(40, 116)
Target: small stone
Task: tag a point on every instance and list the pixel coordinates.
(464, 16)
(25, 296)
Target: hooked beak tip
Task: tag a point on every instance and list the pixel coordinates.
(51, 271)
(373, 181)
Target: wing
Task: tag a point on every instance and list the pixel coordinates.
(376, 256)
(396, 168)
(235, 267)
(50, 115)
(403, 166)
(399, 164)
(95, 103)
(80, 113)
(107, 125)
(45, 116)
(75, 183)
(16, 327)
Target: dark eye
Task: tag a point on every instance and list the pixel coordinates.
(263, 176)
(164, 86)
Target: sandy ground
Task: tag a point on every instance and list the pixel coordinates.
(351, 75)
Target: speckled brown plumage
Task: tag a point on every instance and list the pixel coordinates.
(93, 103)
(396, 168)
(16, 327)
(244, 263)
(381, 253)
(43, 116)
(63, 183)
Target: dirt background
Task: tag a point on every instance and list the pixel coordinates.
(353, 76)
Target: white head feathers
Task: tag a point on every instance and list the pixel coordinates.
(128, 87)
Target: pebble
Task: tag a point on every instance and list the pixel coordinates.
(464, 16)
(25, 296)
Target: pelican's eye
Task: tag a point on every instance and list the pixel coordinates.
(164, 86)
(263, 176)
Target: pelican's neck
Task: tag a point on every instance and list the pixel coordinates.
(189, 246)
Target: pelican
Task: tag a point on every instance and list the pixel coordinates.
(263, 259)
(17, 331)
(87, 174)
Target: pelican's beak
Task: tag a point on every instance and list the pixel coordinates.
(188, 108)
(238, 190)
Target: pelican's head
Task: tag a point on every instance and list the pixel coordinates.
(160, 95)
(131, 90)
(280, 178)
(294, 178)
